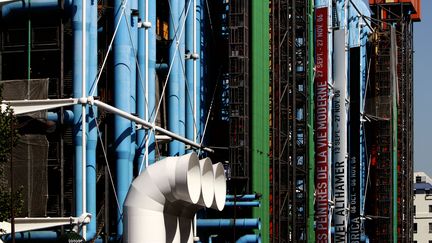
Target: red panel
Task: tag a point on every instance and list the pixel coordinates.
(321, 126)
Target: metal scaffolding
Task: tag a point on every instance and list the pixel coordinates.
(238, 47)
(289, 38)
(405, 131)
(381, 150)
(398, 15)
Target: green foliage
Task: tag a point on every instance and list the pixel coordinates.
(8, 134)
(5, 203)
(8, 139)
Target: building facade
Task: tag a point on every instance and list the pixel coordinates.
(422, 227)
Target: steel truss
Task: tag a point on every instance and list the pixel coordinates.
(398, 14)
(238, 46)
(405, 131)
(381, 151)
(289, 38)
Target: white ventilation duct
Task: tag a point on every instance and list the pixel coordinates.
(219, 187)
(161, 202)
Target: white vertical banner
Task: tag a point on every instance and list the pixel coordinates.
(340, 139)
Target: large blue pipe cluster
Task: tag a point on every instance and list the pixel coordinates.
(139, 84)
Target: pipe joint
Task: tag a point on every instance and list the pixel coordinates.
(82, 100)
(194, 56)
(145, 24)
(90, 100)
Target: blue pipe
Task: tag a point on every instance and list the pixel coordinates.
(162, 67)
(77, 92)
(227, 223)
(176, 85)
(30, 236)
(198, 70)
(133, 67)
(152, 77)
(181, 74)
(249, 239)
(140, 87)
(246, 197)
(243, 204)
(68, 116)
(201, 73)
(210, 238)
(189, 73)
(45, 236)
(36, 5)
(92, 68)
(122, 127)
(364, 238)
(150, 73)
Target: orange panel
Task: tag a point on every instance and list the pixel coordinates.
(417, 7)
(415, 3)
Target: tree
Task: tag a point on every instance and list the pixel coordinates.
(8, 139)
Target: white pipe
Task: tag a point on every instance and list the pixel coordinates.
(187, 216)
(28, 224)
(84, 114)
(26, 106)
(162, 200)
(153, 200)
(146, 124)
(219, 187)
(207, 183)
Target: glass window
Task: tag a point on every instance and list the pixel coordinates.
(415, 228)
(430, 227)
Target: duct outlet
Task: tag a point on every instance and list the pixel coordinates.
(162, 201)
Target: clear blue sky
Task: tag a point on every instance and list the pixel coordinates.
(423, 90)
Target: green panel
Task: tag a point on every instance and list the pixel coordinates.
(260, 77)
(394, 125)
(310, 131)
(395, 162)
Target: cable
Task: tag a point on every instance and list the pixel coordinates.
(166, 79)
(169, 72)
(107, 164)
(209, 112)
(361, 15)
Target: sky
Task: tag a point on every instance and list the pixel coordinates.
(423, 90)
